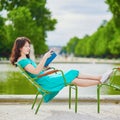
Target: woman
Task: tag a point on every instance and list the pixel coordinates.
(53, 83)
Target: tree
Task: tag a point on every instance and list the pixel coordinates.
(114, 7)
(105, 42)
(71, 45)
(32, 18)
(114, 46)
(3, 42)
(79, 48)
(21, 24)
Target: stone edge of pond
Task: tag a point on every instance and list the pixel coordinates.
(78, 60)
(84, 98)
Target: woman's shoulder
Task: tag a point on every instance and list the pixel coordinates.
(24, 61)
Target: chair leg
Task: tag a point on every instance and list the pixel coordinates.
(76, 98)
(39, 105)
(35, 100)
(98, 98)
(69, 97)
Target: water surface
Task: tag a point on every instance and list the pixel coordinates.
(12, 82)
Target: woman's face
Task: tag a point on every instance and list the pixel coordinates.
(25, 50)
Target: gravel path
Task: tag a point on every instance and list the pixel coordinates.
(59, 111)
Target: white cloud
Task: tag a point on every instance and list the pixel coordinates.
(75, 18)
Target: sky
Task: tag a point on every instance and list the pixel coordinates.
(75, 18)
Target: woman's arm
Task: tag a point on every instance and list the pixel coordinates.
(40, 66)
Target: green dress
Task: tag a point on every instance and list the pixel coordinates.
(54, 82)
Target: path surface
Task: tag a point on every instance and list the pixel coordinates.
(59, 111)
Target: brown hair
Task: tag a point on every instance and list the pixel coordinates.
(18, 44)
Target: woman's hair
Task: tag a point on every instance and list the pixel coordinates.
(18, 44)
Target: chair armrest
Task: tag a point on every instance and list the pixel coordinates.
(118, 68)
(54, 71)
(48, 68)
(48, 73)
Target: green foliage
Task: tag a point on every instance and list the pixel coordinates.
(105, 42)
(80, 47)
(79, 50)
(114, 7)
(71, 45)
(23, 25)
(3, 42)
(115, 46)
(27, 18)
(101, 43)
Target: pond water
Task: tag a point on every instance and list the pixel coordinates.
(12, 82)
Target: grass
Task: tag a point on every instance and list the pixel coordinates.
(16, 83)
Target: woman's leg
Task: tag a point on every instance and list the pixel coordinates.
(85, 82)
(89, 77)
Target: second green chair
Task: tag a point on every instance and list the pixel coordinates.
(113, 82)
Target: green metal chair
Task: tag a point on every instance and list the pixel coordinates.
(43, 92)
(112, 82)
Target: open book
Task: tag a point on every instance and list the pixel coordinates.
(50, 59)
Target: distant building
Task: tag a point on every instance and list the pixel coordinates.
(57, 48)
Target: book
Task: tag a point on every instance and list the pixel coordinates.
(50, 59)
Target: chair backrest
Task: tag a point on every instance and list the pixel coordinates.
(115, 78)
(31, 80)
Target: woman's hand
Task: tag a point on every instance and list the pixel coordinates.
(40, 66)
(48, 54)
